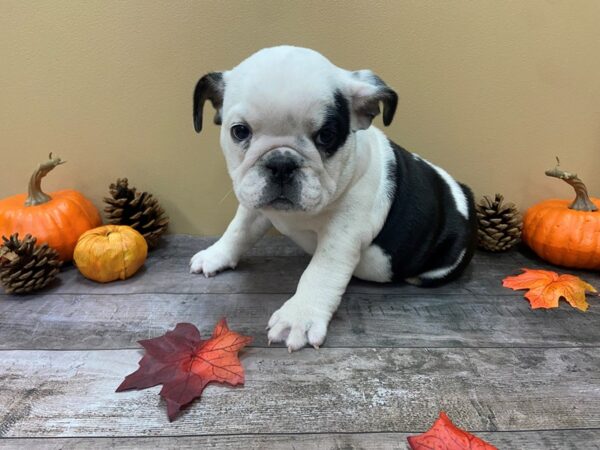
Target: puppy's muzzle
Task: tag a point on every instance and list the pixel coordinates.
(281, 167)
(282, 171)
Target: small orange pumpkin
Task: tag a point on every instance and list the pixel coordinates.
(562, 232)
(57, 219)
(110, 253)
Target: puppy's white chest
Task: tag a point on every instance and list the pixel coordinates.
(304, 237)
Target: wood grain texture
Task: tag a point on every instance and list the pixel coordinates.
(524, 440)
(71, 393)
(428, 320)
(185, 246)
(275, 266)
(395, 356)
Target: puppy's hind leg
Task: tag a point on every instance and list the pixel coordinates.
(247, 227)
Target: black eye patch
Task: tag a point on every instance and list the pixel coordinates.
(336, 126)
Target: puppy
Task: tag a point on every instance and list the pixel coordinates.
(303, 156)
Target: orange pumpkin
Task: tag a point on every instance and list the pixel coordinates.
(110, 253)
(563, 232)
(57, 219)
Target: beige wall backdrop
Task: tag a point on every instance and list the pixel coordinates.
(490, 90)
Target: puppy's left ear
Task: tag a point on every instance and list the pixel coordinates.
(366, 91)
(210, 87)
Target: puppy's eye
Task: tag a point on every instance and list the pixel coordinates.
(325, 137)
(240, 132)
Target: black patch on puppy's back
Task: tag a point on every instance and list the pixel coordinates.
(424, 231)
(337, 118)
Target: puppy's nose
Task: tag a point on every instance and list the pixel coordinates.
(282, 168)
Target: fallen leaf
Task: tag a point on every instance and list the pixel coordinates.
(444, 435)
(547, 287)
(184, 363)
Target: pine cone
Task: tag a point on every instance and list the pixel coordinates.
(139, 210)
(499, 224)
(25, 267)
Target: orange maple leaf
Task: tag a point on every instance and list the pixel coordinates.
(184, 363)
(547, 287)
(444, 435)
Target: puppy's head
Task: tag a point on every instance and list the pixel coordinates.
(289, 118)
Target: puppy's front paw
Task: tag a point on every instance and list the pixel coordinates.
(298, 323)
(212, 260)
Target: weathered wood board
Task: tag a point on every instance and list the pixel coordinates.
(516, 440)
(71, 393)
(271, 269)
(395, 356)
(389, 320)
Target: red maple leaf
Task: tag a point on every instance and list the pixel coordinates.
(444, 435)
(547, 287)
(184, 363)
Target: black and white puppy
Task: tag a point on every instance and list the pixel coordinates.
(304, 158)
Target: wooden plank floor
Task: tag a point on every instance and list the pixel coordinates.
(395, 356)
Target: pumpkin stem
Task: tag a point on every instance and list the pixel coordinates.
(582, 200)
(36, 195)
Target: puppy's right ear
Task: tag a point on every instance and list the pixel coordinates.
(210, 87)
